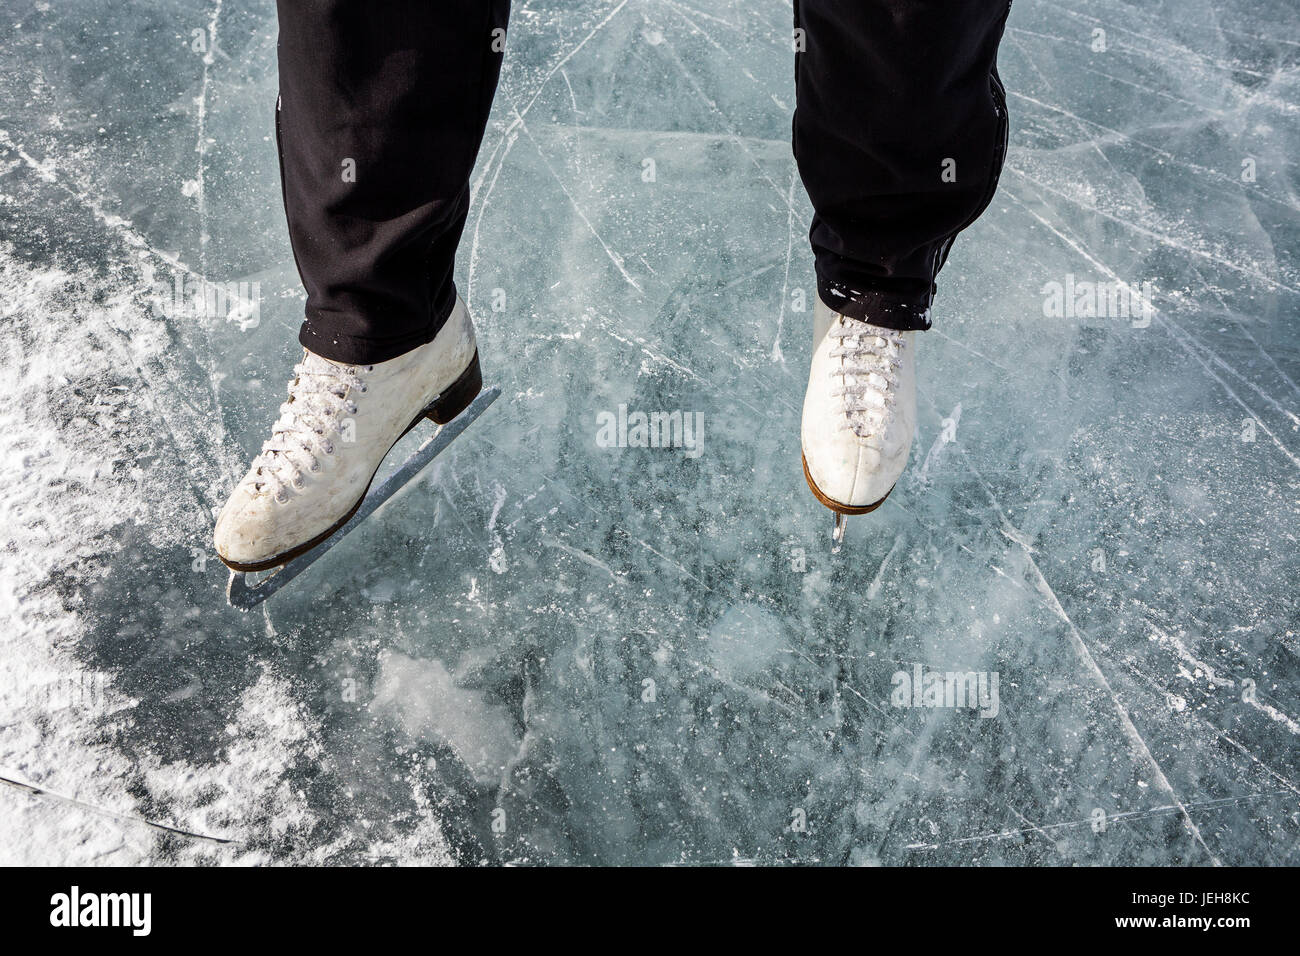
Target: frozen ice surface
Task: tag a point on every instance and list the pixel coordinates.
(550, 651)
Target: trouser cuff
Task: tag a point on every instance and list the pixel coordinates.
(320, 335)
(891, 310)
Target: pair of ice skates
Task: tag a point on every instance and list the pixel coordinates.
(309, 485)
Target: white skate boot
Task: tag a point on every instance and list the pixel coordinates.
(858, 414)
(308, 480)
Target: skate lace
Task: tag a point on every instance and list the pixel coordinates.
(871, 357)
(308, 424)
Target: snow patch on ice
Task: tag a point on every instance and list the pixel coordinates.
(422, 697)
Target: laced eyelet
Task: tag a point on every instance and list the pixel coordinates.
(329, 448)
(281, 498)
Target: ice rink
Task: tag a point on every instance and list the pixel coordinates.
(548, 650)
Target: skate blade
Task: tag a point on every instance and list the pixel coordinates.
(841, 511)
(246, 590)
(837, 533)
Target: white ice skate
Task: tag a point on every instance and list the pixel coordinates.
(858, 414)
(313, 474)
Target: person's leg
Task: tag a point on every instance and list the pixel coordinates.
(899, 131)
(382, 109)
(383, 104)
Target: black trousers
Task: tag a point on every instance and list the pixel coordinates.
(900, 129)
